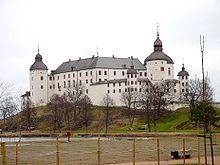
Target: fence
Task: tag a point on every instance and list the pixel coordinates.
(104, 151)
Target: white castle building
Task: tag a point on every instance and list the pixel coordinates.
(102, 75)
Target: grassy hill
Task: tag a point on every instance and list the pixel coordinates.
(174, 121)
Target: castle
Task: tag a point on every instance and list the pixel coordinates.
(104, 75)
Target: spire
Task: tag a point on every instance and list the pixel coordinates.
(132, 62)
(38, 50)
(158, 30)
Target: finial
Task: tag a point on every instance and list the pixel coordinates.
(132, 62)
(97, 51)
(157, 30)
(183, 68)
(38, 50)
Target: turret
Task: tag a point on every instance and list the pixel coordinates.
(38, 82)
(132, 76)
(183, 77)
(159, 65)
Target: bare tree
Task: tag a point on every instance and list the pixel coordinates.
(28, 111)
(107, 103)
(8, 108)
(75, 94)
(130, 99)
(85, 106)
(56, 106)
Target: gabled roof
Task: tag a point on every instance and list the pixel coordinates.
(99, 62)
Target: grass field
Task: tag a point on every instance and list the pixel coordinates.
(83, 151)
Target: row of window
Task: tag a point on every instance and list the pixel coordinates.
(99, 73)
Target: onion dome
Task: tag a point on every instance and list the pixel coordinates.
(38, 64)
(183, 72)
(158, 53)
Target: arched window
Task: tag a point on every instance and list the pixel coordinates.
(169, 71)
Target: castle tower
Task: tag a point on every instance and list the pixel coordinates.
(38, 82)
(159, 65)
(132, 76)
(183, 77)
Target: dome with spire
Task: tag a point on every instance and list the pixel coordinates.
(38, 64)
(158, 52)
(183, 72)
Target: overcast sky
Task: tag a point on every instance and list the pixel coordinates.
(69, 29)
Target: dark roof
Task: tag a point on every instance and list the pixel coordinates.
(131, 70)
(98, 62)
(183, 72)
(38, 64)
(158, 53)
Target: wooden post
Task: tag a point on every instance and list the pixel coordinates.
(3, 152)
(184, 157)
(16, 153)
(98, 151)
(158, 152)
(134, 148)
(57, 152)
(198, 151)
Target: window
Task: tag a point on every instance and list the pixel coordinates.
(187, 90)
(161, 69)
(186, 84)
(140, 83)
(131, 75)
(50, 78)
(162, 62)
(80, 74)
(125, 89)
(135, 82)
(80, 82)
(186, 77)
(123, 73)
(140, 73)
(145, 74)
(182, 84)
(86, 81)
(113, 84)
(87, 91)
(105, 79)
(69, 84)
(119, 84)
(74, 83)
(50, 86)
(68, 75)
(169, 71)
(64, 76)
(128, 75)
(41, 78)
(53, 86)
(86, 73)
(100, 72)
(139, 89)
(105, 72)
(132, 82)
(100, 80)
(114, 73)
(135, 89)
(113, 90)
(108, 84)
(41, 87)
(174, 90)
(64, 84)
(174, 84)
(182, 77)
(90, 73)
(73, 75)
(182, 90)
(119, 90)
(108, 91)
(90, 80)
(125, 83)
(135, 75)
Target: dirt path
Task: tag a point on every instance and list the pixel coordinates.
(170, 162)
